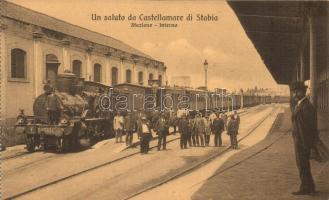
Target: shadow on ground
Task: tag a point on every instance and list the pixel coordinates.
(267, 171)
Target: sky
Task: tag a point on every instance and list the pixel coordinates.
(233, 61)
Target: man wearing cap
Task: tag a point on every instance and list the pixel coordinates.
(305, 135)
(212, 117)
(183, 129)
(217, 128)
(53, 107)
(162, 129)
(144, 132)
(232, 130)
(129, 126)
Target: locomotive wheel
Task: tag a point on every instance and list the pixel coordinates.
(45, 143)
(30, 144)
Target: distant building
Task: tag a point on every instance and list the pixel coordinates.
(184, 81)
(202, 88)
(35, 47)
(220, 90)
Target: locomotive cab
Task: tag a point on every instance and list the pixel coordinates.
(65, 116)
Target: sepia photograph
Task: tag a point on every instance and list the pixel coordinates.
(164, 100)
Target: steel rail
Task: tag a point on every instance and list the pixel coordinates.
(91, 169)
(198, 164)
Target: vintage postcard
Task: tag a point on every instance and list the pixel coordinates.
(165, 99)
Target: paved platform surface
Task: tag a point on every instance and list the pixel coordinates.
(269, 173)
(113, 181)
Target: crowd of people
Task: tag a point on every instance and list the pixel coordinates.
(195, 128)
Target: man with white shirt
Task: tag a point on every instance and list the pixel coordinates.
(305, 135)
(144, 132)
(212, 117)
(118, 126)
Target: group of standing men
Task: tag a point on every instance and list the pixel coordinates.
(194, 129)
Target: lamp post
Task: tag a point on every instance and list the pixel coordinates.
(205, 64)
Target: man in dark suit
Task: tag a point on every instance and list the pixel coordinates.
(217, 128)
(184, 130)
(53, 107)
(129, 126)
(162, 129)
(305, 136)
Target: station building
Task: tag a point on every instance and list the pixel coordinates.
(292, 38)
(36, 47)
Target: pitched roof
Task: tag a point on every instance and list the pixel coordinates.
(29, 16)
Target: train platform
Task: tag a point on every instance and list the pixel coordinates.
(112, 173)
(109, 144)
(267, 170)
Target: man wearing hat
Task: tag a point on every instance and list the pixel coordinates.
(144, 132)
(305, 135)
(162, 129)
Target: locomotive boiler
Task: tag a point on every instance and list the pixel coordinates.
(66, 116)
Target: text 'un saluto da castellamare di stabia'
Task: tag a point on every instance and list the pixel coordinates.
(155, 20)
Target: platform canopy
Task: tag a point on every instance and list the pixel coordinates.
(277, 29)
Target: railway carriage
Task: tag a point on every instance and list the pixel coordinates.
(130, 97)
(86, 109)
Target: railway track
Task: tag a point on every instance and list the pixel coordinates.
(79, 173)
(21, 154)
(203, 162)
(117, 160)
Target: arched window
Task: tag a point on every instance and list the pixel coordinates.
(97, 72)
(114, 76)
(140, 78)
(18, 63)
(128, 76)
(76, 68)
(160, 80)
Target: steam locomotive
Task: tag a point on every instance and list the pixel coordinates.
(86, 109)
(79, 120)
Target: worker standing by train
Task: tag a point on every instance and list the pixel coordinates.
(189, 133)
(195, 140)
(162, 129)
(207, 130)
(199, 125)
(145, 135)
(212, 117)
(129, 126)
(118, 126)
(237, 117)
(217, 128)
(232, 130)
(52, 105)
(225, 119)
(183, 130)
(173, 120)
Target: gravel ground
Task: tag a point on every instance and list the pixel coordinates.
(110, 182)
(271, 174)
(185, 187)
